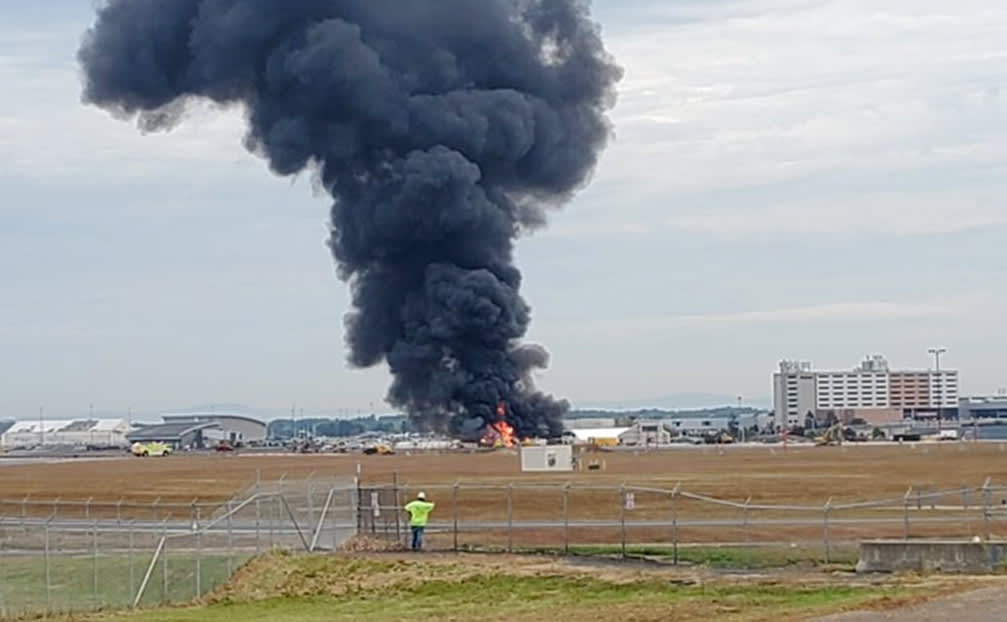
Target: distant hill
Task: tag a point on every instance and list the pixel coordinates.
(657, 413)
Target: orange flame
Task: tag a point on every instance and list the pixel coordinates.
(505, 432)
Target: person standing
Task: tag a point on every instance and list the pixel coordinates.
(419, 511)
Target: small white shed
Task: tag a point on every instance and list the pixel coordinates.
(547, 458)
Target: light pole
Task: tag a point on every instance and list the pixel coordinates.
(937, 352)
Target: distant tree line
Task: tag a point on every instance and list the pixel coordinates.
(283, 429)
(657, 413)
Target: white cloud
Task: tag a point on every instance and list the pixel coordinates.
(821, 314)
(769, 97)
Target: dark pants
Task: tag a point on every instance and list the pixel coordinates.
(417, 538)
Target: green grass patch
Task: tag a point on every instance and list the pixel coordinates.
(727, 558)
(84, 583)
(499, 596)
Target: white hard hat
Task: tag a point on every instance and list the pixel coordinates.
(421, 495)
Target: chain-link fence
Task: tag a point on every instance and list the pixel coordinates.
(60, 557)
(621, 519)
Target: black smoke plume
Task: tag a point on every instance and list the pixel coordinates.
(441, 128)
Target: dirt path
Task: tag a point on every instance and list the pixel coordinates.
(984, 605)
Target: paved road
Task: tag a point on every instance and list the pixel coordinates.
(985, 605)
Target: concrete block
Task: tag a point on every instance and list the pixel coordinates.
(947, 556)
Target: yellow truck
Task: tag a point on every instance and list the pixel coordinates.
(143, 450)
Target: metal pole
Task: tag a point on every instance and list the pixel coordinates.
(406, 530)
(454, 513)
(986, 508)
(164, 563)
(199, 554)
(321, 519)
(566, 519)
(828, 540)
(148, 573)
(94, 560)
(510, 522)
(3, 578)
(905, 514)
(48, 576)
(132, 572)
(674, 525)
(230, 538)
(258, 524)
(309, 492)
(748, 531)
(398, 508)
(272, 524)
(293, 521)
(622, 519)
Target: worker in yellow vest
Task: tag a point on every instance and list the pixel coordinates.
(419, 511)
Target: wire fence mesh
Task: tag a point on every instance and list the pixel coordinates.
(570, 516)
(58, 557)
(70, 557)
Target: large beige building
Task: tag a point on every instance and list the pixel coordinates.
(871, 392)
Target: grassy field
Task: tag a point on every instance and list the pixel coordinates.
(281, 588)
(808, 476)
(765, 474)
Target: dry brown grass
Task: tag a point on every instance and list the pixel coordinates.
(766, 474)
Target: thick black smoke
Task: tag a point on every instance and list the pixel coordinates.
(441, 128)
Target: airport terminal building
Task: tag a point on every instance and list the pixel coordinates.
(183, 431)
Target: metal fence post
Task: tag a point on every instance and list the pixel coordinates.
(48, 575)
(566, 519)
(454, 513)
(258, 524)
(674, 524)
(309, 493)
(510, 521)
(987, 502)
(828, 540)
(398, 509)
(3, 578)
(94, 561)
(272, 524)
(230, 539)
(164, 562)
(748, 531)
(622, 518)
(905, 514)
(406, 529)
(199, 553)
(132, 566)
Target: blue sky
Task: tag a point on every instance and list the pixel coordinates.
(818, 179)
